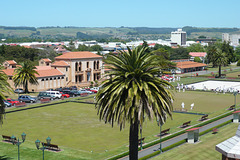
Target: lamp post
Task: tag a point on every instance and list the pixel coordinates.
(18, 143)
(160, 135)
(37, 142)
(235, 95)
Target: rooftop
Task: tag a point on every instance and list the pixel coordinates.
(47, 60)
(12, 62)
(189, 64)
(78, 55)
(198, 54)
(60, 63)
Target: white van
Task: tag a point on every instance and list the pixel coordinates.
(55, 94)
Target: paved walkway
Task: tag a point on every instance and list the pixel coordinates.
(169, 142)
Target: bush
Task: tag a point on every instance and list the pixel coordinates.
(197, 59)
(238, 63)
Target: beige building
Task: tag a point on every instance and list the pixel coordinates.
(69, 69)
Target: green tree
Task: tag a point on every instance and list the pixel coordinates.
(5, 88)
(96, 48)
(179, 53)
(24, 75)
(237, 53)
(132, 92)
(197, 59)
(220, 59)
(196, 48)
(82, 47)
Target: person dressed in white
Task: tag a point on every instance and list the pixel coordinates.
(183, 105)
(192, 105)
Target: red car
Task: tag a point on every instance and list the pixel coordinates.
(65, 95)
(94, 91)
(13, 102)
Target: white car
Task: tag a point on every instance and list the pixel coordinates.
(55, 94)
(84, 91)
(95, 88)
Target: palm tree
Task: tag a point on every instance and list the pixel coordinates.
(24, 75)
(132, 92)
(220, 59)
(5, 88)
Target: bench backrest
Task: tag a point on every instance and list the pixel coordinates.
(186, 122)
(166, 130)
(54, 145)
(20, 103)
(205, 116)
(8, 137)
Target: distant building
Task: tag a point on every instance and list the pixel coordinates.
(234, 39)
(69, 69)
(179, 37)
(185, 66)
(201, 55)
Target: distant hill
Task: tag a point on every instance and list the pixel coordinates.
(88, 33)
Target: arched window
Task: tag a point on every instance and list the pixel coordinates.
(76, 66)
(80, 66)
(97, 64)
(94, 65)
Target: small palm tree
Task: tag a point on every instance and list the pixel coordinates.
(133, 92)
(24, 75)
(5, 88)
(220, 59)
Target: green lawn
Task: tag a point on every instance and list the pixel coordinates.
(205, 149)
(75, 127)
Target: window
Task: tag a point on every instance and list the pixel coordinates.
(66, 69)
(55, 67)
(42, 79)
(10, 78)
(66, 78)
(55, 78)
(76, 66)
(47, 64)
(62, 77)
(50, 78)
(58, 77)
(87, 64)
(46, 79)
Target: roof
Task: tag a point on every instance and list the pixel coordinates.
(43, 67)
(78, 55)
(231, 146)
(193, 129)
(42, 72)
(189, 64)
(12, 62)
(47, 60)
(49, 73)
(60, 63)
(198, 54)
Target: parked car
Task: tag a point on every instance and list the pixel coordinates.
(84, 91)
(26, 98)
(19, 90)
(93, 91)
(73, 88)
(59, 89)
(7, 104)
(75, 92)
(13, 102)
(45, 95)
(65, 95)
(55, 94)
(70, 93)
(50, 89)
(95, 88)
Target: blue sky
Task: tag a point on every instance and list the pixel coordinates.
(116, 13)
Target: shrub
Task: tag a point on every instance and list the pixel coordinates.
(238, 63)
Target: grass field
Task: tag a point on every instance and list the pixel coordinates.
(205, 149)
(75, 127)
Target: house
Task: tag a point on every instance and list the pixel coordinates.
(201, 55)
(188, 66)
(69, 69)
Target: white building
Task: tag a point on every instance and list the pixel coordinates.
(234, 39)
(179, 37)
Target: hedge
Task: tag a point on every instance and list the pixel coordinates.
(175, 135)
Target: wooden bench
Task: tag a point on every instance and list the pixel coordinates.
(45, 100)
(239, 76)
(204, 117)
(8, 138)
(141, 140)
(164, 132)
(185, 124)
(231, 107)
(51, 146)
(215, 130)
(20, 104)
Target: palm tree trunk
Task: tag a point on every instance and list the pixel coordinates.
(133, 140)
(26, 87)
(219, 71)
(2, 110)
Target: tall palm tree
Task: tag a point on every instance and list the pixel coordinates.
(5, 88)
(220, 59)
(132, 92)
(25, 74)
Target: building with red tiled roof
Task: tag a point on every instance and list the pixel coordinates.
(189, 66)
(201, 55)
(78, 55)
(10, 64)
(60, 63)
